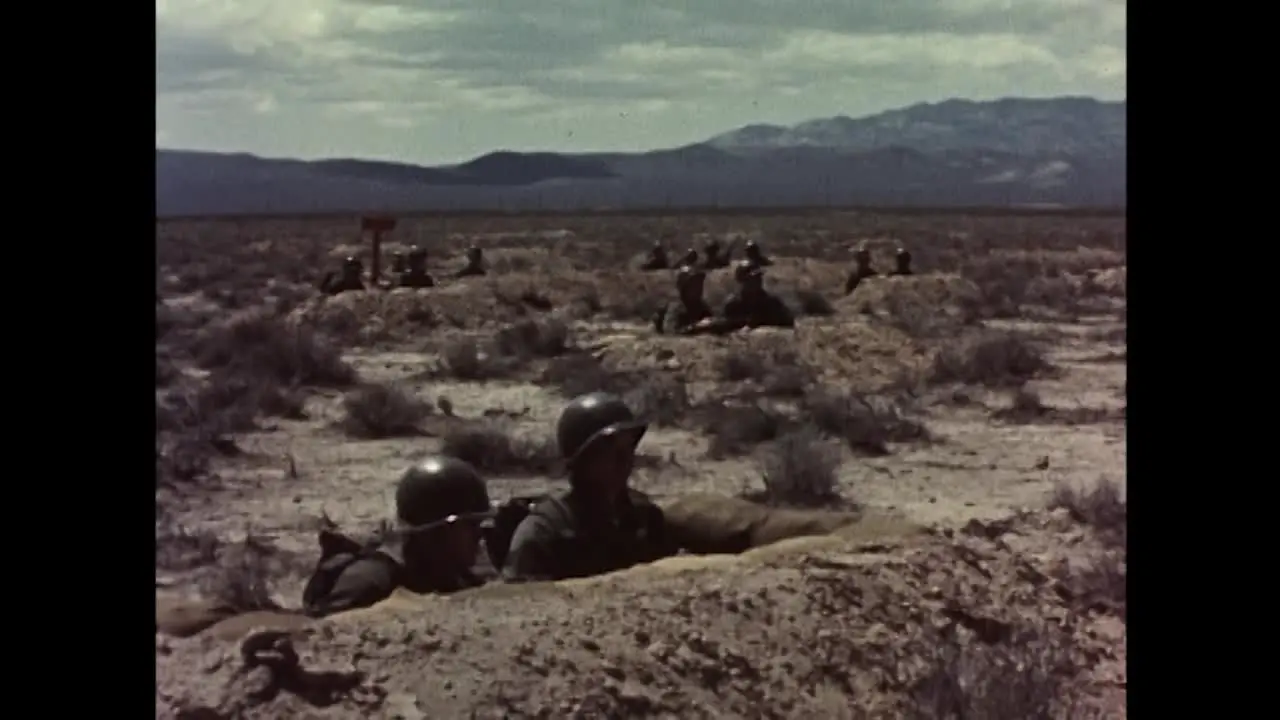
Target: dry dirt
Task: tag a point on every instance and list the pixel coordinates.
(955, 408)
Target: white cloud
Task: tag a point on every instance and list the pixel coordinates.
(445, 79)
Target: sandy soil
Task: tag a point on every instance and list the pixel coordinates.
(970, 560)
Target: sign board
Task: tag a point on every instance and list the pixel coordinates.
(377, 224)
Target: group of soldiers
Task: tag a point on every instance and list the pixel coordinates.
(408, 270)
(751, 305)
(443, 514)
(713, 257)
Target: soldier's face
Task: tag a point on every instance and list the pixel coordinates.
(459, 542)
(609, 464)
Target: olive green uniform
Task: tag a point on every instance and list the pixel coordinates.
(569, 536)
(565, 538)
(346, 280)
(435, 492)
(679, 318)
(474, 266)
(656, 259)
(762, 310)
(352, 576)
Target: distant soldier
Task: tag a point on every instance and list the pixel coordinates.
(689, 259)
(601, 524)
(755, 255)
(656, 259)
(347, 279)
(398, 264)
(752, 306)
(687, 315)
(475, 263)
(862, 269)
(442, 510)
(415, 273)
(902, 262)
(715, 259)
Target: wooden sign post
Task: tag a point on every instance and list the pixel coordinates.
(376, 225)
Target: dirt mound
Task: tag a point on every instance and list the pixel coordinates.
(808, 628)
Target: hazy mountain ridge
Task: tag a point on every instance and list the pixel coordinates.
(958, 152)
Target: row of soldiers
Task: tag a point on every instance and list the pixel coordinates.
(712, 259)
(443, 514)
(751, 305)
(407, 270)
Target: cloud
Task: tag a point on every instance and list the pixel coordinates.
(447, 78)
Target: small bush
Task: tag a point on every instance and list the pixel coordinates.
(242, 580)
(1101, 507)
(546, 337)
(579, 373)
(993, 359)
(813, 303)
(799, 470)
(662, 401)
(1020, 678)
(866, 424)
(464, 359)
(264, 345)
(740, 366)
(737, 429)
(378, 410)
(492, 448)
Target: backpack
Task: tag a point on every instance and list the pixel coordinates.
(337, 553)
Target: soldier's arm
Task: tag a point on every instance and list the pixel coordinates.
(532, 557)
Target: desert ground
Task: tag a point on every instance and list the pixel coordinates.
(972, 415)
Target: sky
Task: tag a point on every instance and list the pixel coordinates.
(441, 81)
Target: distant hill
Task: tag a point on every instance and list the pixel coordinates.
(1067, 151)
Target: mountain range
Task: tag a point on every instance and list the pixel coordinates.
(1014, 151)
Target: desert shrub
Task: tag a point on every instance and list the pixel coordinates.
(662, 400)
(379, 410)
(992, 359)
(866, 423)
(579, 373)
(1021, 677)
(742, 365)
(1102, 507)
(179, 548)
(492, 448)
(242, 580)
(226, 402)
(465, 359)
(264, 345)
(799, 470)
(737, 429)
(183, 460)
(812, 303)
(546, 337)
(789, 380)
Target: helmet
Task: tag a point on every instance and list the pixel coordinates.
(904, 254)
(862, 253)
(746, 271)
(440, 489)
(751, 247)
(417, 253)
(593, 417)
(351, 262)
(474, 252)
(688, 274)
(713, 245)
